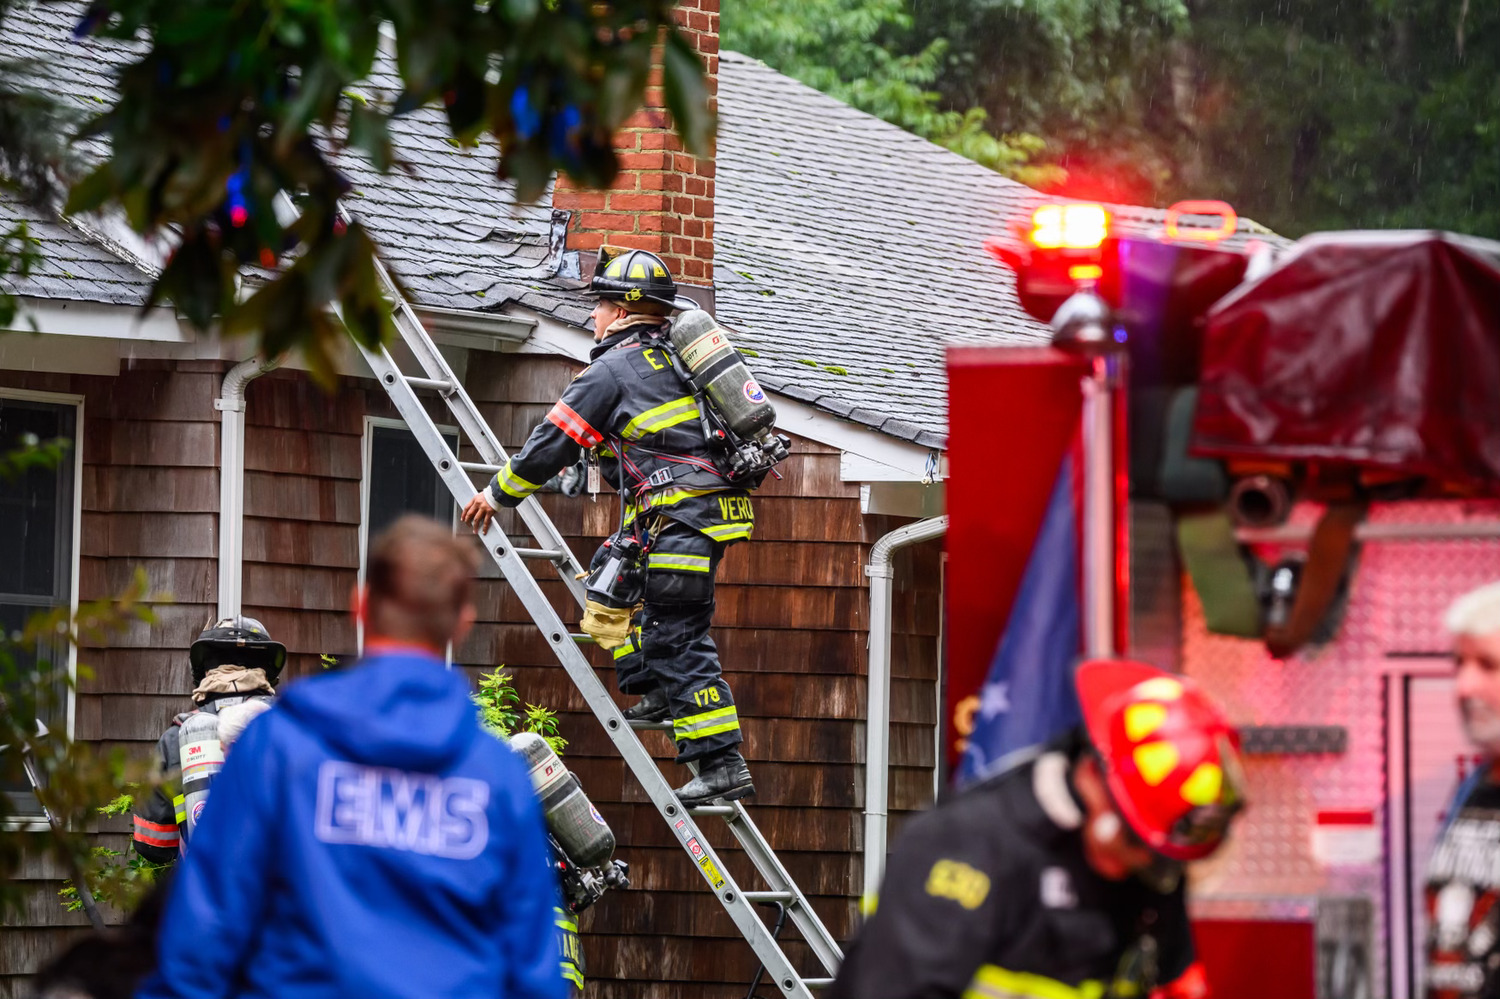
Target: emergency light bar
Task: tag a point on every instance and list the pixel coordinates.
(1069, 227)
(1075, 246)
(1228, 224)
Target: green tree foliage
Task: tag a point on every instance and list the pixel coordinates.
(231, 103)
(1305, 115)
(1369, 113)
(853, 50)
(1092, 77)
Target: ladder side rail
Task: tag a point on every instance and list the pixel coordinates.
(473, 426)
(581, 672)
(415, 336)
(770, 868)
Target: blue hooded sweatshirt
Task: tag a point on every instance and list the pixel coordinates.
(365, 838)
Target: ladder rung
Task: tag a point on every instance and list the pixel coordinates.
(647, 726)
(768, 896)
(435, 384)
(479, 466)
(583, 638)
(715, 810)
(817, 983)
(546, 554)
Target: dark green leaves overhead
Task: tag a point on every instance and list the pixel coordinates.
(221, 114)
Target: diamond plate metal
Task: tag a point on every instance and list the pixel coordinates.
(1434, 572)
(1396, 605)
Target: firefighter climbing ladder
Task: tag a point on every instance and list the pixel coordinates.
(438, 377)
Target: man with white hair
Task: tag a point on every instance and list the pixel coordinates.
(1462, 956)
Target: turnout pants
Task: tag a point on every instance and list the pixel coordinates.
(671, 646)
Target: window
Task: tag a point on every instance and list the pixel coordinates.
(399, 480)
(38, 529)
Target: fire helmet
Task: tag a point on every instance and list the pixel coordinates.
(238, 641)
(623, 275)
(1171, 760)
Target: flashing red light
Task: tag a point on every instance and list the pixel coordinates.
(1228, 221)
(1069, 227)
(238, 216)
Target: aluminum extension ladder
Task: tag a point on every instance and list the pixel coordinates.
(436, 376)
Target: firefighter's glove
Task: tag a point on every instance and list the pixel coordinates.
(609, 626)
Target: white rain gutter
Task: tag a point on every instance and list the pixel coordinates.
(878, 697)
(231, 403)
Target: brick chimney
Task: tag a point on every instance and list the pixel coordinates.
(663, 198)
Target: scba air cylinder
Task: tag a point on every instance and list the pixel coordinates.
(581, 831)
(717, 369)
(201, 757)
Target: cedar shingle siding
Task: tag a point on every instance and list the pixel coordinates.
(790, 627)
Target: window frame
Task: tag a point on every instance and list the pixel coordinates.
(74, 560)
(367, 459)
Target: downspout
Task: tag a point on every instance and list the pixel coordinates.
(878, 697)
(231, 403)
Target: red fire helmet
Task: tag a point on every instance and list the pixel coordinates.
(1170, 758)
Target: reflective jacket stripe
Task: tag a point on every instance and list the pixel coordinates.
(729, 532)
(709, 723)
(156, 833)
(994, 982)
(180, 804)
(661, 417)
(679, 562)
(567, 945)
(667, 497)
(512, 484)
(575, 426)
(621, 651)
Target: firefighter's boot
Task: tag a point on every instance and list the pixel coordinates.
(653, 707)
(723, 777)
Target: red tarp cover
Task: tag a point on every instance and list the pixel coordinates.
(1374, 348)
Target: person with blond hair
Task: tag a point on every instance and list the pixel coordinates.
(367, 837)
(1463, 875)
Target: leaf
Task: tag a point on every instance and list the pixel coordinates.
(369, 131)
(465, 105)
(90, 193)
(686, 93)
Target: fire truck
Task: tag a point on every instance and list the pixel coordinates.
(1278, 463)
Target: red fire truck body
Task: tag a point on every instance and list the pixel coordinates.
(1352, 736)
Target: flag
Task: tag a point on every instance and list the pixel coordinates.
(1027, 696)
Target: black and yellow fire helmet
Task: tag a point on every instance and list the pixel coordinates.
(625, 275)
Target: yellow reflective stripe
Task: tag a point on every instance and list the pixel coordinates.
(621, 651)
(565, 924)
(661, 417)
(667, 497)
(728, 532)
(704, 733)
(706, 724)
(994, 982)
(868, 904)
(513, 485)
(679, 561)
(179, 803)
